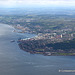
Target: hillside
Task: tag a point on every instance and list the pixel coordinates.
(46, 47)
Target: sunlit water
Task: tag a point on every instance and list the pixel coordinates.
(14, 61)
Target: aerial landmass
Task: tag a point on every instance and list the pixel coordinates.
(55, 34)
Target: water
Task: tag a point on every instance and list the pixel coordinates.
(14, 61)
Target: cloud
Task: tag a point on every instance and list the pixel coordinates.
(37, 2)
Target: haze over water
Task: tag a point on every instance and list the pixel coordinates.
(14, 61)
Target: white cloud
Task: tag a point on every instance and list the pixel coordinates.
(36, 2)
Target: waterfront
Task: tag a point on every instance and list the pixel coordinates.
(14, 61)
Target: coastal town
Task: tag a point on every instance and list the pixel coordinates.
(45, 43)
(50, 31)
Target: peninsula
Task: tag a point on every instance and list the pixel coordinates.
(55, 33)
(48, 47)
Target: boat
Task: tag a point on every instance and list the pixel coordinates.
(12, 41)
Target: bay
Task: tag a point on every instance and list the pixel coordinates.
(14, 61)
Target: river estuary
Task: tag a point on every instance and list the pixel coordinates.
(14, 61)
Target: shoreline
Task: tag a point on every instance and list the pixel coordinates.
(41, 48)
(45, 53)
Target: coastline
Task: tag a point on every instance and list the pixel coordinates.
(45, 51)
(40, 47)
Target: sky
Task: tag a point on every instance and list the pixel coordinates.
(13, 3)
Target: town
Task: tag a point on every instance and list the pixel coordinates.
(50, 31)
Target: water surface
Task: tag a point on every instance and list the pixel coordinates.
(14, 61)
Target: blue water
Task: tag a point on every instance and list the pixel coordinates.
(14, 61)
